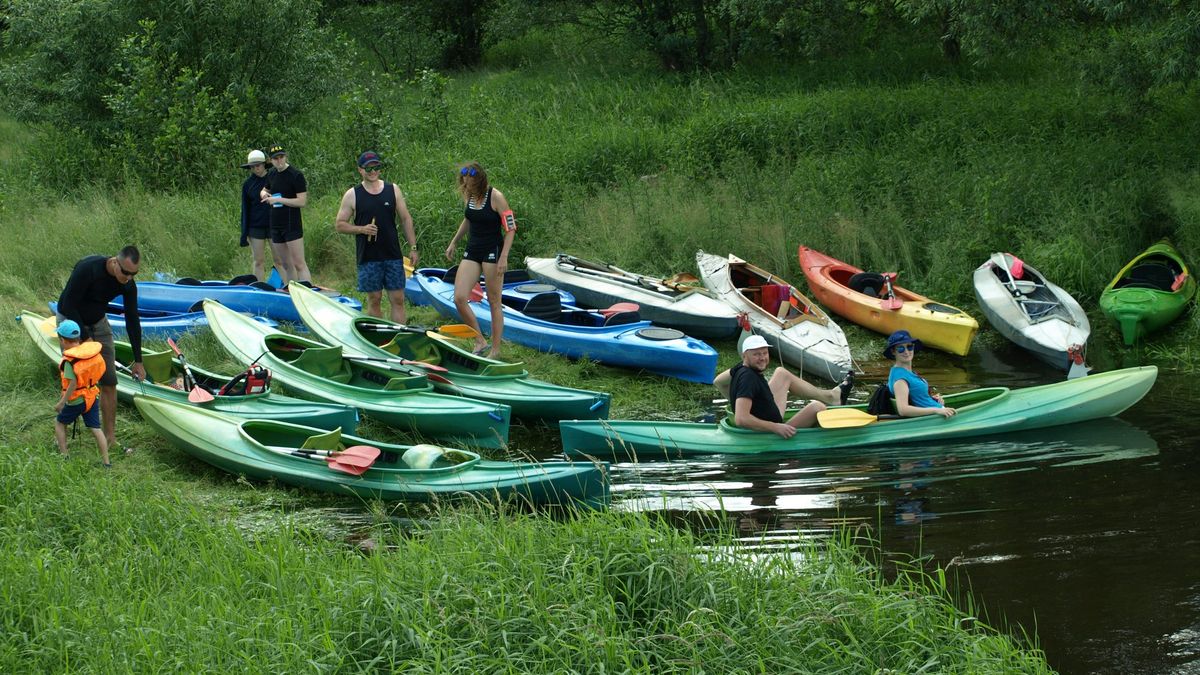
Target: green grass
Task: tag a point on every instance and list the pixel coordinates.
(122, 570)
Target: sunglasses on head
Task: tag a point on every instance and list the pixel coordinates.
(900, 349)
(467, 171)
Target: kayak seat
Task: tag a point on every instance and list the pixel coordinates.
(324, 362)
(158, 366)
(413, 346)
(330, 440)
(243, 280)
(544, 306)
(774, 295)
(622, 318)
(188, 281)
(449, 275)
(399, 383)
(867, 283)
(1148, 275)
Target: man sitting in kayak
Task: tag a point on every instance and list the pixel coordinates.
(760, 404)
(913, 398)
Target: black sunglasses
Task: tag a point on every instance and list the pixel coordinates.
(125, 271)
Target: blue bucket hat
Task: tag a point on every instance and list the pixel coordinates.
(68, 329)
(898, 338)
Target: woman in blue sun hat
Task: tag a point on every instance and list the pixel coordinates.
(911, 391)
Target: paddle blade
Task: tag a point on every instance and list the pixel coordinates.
(681, 278)
(360, 456)
(844, 418)
(408, 267)
(458, 330)
(620, 307)
(426, 366)
(891, 303)
(346, 468)
(199, 395)
(174, 347)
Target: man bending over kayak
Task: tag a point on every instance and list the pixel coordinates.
(760, 403)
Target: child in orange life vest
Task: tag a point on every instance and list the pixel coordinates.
(80, 371)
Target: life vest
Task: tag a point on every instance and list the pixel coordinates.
(89, 367)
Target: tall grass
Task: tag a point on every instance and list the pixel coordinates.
(119, 572)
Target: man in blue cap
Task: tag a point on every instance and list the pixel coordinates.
(369, 211)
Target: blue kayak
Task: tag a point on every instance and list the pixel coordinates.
(161, 324)
(188, 297)
(517, 283)
(543, 322)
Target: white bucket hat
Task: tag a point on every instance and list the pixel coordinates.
(255, 157)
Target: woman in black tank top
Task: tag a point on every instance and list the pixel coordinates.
(492, 227)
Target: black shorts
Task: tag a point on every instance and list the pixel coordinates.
(286, 233)
(483, 252)
(258, 233)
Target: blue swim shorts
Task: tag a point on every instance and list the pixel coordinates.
(377, 275)
(91, 416)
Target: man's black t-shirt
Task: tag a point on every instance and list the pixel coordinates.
(89, 289)
(748, 383)
(287, 183)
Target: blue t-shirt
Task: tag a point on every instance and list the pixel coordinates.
(918, 388)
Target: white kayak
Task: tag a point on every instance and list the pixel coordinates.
(677, 302)
(802, 332)
(1029, 310)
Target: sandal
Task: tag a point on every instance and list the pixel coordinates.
(481, 349)
(846, 385)
(128, 451)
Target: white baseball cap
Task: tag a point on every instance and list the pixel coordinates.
(754, 342)
(255, 157)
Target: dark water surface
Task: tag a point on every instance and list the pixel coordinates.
(1087, 535)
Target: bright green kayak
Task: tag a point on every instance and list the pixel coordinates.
(1148, 293)
(981, 412)
(394, 396)
(162, 369)
(263, 450)
(468, 375)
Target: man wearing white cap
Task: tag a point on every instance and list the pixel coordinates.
(760, 404)
(256, 216)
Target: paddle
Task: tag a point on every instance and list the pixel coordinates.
(844, 418)
(403, 362)
(197, 394)
(455, 330)
(891, 302)
(1078, 368)
(618, 308)
(354, 460)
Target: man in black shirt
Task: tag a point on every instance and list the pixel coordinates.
(760, 404)
(287, 193)
(94, 282)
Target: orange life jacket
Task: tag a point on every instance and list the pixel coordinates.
(88, 366)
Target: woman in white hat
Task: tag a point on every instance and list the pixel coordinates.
(760, 403)
(256, 216)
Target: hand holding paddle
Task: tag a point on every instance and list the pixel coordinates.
(197, 394)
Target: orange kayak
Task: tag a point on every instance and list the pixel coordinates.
(874, 301)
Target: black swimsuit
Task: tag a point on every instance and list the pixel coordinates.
(485, 238)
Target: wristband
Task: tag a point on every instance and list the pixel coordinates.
(508, 221)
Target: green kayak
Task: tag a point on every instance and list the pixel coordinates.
(162, 369)
(981, 412)
(395, 396)
(264, 450)
(1148, 293)
(467, 374)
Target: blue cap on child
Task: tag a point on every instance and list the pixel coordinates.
(68, 329)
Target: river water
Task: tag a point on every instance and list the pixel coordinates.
(1086, 535)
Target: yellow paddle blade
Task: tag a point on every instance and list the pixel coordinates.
(458, 330)
(844, 418)
(408, 267)
(49, 326)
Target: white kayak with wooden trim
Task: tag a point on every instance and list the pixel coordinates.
(802, 333)
(679, 302)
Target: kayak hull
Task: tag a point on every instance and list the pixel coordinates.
(1142, 304)
(513, 280)
(980, 412)
(803, 333)
(162, 369)
(468, 374)
(936, 324)
(692, 310)
(625, 345)
(244, 448)
(160, 324)
(1037, 315)
(157, 295)
(395, 396)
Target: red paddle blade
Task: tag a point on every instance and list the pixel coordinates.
(358, 455)
(893, 303)
(620, 307)
(426, 366)
(199, 395)
(174, 347)
(346, 468)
